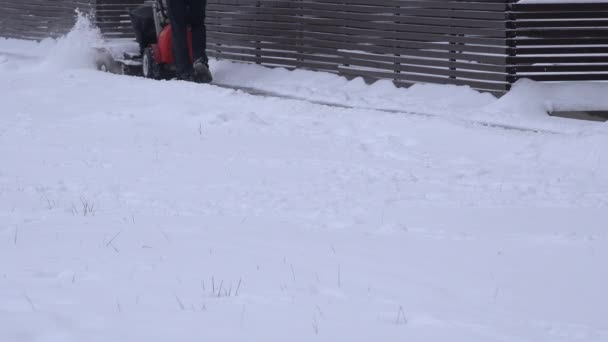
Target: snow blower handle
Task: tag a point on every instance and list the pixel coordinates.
(159, 8)
(162, 5)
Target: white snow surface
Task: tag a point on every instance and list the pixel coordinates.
(139, 210)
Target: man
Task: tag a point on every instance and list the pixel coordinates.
(184, 13)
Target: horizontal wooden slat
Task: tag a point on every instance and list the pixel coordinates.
(559, 41)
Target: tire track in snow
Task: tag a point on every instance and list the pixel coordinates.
(265, 93)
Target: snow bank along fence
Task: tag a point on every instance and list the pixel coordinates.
(487, 44)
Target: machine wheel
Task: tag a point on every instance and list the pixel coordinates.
(148, 63)
(149, 67)
(104, 62)
(103, 67)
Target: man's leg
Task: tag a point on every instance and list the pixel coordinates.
(178, 15)
(199, 41)
(199, 32)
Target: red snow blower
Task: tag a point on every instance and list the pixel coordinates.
(153, 33)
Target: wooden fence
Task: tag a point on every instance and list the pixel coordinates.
(408, 41)
(37, 19)
(487, 44)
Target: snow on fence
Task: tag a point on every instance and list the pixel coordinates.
(487, 44)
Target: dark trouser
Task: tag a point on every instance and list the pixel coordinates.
(183, 13)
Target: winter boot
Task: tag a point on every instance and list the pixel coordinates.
(201, 71)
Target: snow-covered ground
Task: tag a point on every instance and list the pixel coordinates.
(136, 210)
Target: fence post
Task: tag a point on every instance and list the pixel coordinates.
(300, 36)
(217, 45)
(456, 50)
(258, 43)
(511, 43)
(396, 47)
